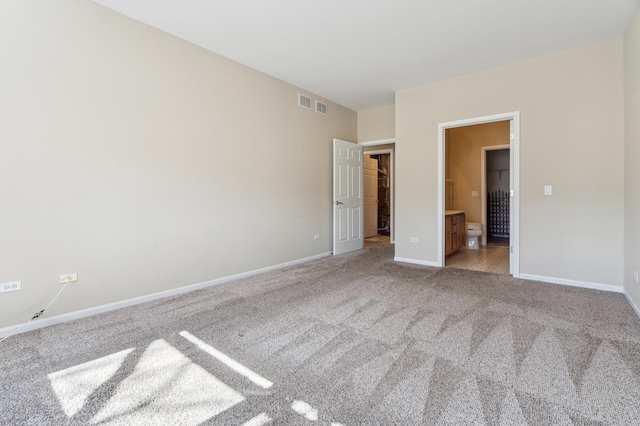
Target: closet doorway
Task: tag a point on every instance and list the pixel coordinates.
(377, 194)
(381, 192)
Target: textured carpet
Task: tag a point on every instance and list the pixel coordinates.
(346, 340)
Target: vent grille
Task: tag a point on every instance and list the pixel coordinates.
(321, 107)
(304, 101)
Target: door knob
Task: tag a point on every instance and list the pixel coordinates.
(338, 203)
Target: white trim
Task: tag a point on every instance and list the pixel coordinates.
(573, 283)
(483, 186)
(45, 322)
(514, 240)
(415, 261)
(514, 232)
(632, 303)
(441, 191)
(392, 237)
(378, 142)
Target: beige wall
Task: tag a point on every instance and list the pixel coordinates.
(463, 159)
(632, 156)
(571, 106)
(145, 163)
(375, 124)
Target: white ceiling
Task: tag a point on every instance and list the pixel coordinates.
(359, 52)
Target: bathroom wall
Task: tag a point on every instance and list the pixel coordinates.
(464, 160)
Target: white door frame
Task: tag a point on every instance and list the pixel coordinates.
(483, 186)
(391, 176)
(514, 237)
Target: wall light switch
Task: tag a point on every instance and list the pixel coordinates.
(548, 190)
(414, 240)
(474, 193)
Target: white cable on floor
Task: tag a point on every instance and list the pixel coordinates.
(37, 314)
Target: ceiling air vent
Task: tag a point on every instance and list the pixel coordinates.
(321, 107)
(304, 101)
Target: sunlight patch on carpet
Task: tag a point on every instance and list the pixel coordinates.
(259, 420)
(164, 387)
(305, 409)
(228, 361)
(74, 385)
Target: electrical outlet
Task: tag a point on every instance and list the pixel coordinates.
(414, 240)
(12, 286)
(635, 275)
(316, 237)
(68, 278)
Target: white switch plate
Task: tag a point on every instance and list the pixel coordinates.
(68, 278)
(414, 240)
(548, 190)
(316, 237)
(12, 286)
(635, 275)
(474, 193)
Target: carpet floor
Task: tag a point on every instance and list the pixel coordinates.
(355, 339)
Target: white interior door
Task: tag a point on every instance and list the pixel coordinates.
(347, 197)
(370, 182)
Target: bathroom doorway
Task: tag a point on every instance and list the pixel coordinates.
(465, 197)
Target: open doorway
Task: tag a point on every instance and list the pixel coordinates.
(466, 205)
(475, 194)
(377, 192)
(379, 216)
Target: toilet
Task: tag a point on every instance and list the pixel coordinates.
(474, 231)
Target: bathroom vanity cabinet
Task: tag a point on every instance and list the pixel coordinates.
(454, 231)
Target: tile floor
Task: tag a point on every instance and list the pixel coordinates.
(490, 258)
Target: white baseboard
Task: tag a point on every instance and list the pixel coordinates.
(632, 303)
(573, 283)
(415, 261)
(57, 319)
